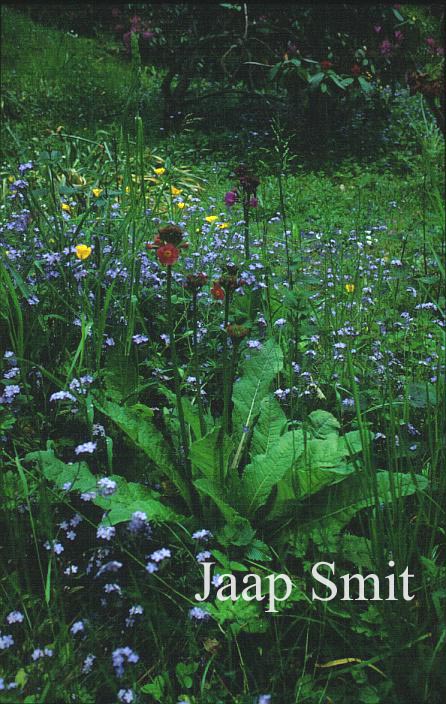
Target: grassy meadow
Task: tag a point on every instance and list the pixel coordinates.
(216, 345)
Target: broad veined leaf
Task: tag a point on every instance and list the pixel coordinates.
(211, 489)
(325, 460)
(323, 520)
(137, 423)
(77, 476)
(249, 391)
(128, 497)
(265, 471)
(322, 423)
(269, 427)
(205, 454)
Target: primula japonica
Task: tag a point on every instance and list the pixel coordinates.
(168, 243)
(168, 254)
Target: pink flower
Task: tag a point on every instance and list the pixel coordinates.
(430, 41)
(386, 47)
(231, 197)
(253, 202)
(377, 28)
(399, 36)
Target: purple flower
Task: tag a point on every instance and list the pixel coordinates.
(88, 495)
(254, 344)
(160, 555)
(199, 614)
(6, 642)
(280, 322)
(120, 655)
(106, 532)
(203, 556)
(140, 339)
(126, 695)
(88, 447)
(27, 166)
(62, 396)
(107, 486)
(139, 522)
(386, 47)
(10, 393)
(56, 547)
(15, 617)
(112, 566)
(88, 663)
(231, 197)
(77, 627)
(202, 534)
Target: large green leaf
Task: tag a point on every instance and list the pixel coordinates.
(136, 421)
(257, 374)
(265, 471)
(128, 497)
(325, 460)
(209, 488)
(322, 423)
(269, 427)
(205, 453)
(77, 475)
(323, 520)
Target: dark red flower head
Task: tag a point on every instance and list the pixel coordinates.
(171, 233)
(168, 254)
(355, 70)
(237, 332)
(195, 282)
(217, 292)
(326, 65)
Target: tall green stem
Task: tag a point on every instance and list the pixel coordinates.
(246, 227)
(176, 374)
(197, 364)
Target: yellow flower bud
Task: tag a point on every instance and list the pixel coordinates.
(82, 251)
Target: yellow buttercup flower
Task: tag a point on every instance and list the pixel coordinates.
(175, 191)
(350, 288)
(160, 171)
(127, 189)
(181, 205)
(82, 251)
(223, 225)
(211, 218)
(66, 207)
(97, 192)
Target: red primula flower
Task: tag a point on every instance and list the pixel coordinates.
(355, 70)
(326, 64)
(217, 292)
(167, 254)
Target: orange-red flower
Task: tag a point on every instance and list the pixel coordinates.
(168, 254)
(217, 292)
